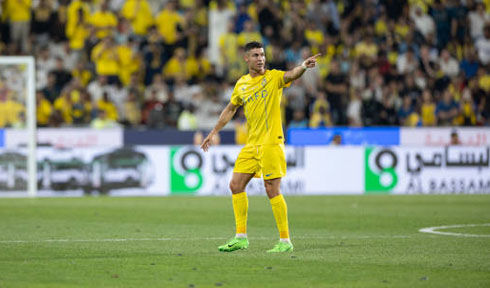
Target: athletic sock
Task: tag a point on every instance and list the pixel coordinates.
(280, 210)
(240, 208)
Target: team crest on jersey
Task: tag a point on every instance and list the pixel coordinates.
(264, 82)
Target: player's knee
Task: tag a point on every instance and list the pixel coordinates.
(235, 187)
(271, 190)
(268, 187)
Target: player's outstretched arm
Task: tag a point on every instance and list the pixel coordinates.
(224, 118)
(297, 71)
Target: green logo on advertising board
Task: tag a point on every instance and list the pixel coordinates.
(381, 175)
(185, 170)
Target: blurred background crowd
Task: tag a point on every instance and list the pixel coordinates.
(173, 64)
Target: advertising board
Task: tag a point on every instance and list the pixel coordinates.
(67, 137)
(427, 170)
(138, 171)
(386, 136)
(186, 170)
(310, 170)
(441, 136)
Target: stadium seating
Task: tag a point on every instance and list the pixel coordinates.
(147, 63)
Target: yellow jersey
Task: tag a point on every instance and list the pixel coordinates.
(315, 37)
(138, 12)
(18, 11)
(428, 114)
(167, 22)
(104, 22)
(261, 99)
(63, 105)
(10, 112)
(73, 10)
(77, 34)
(106, 59)
(43, 112)
(129, 63)
(245, 37)
(109, 108)
(228, 44)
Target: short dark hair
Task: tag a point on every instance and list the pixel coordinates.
(252, 45)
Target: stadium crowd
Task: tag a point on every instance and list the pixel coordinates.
(174, 63)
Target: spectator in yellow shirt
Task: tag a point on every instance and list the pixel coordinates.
(237, 68)
(82, 73)
(102, 121)
(313, 34)
(81, 107)
(428, 109)
(43, 109)
(11, 111)
(63, 105)
(105, 104)
(204, 65)
(168, 22)
(367, 50)
(402, 28)
(467, 111)
(73, 8)
(129, 61)
(228, 45)
(381, 25)
(179, 66)
(320, 115)
(138, 12)
(132, 110)
(104, 21)
(248, 34)
(201, 14)
(483, 80)
(78, 31)
(106, 59)
(19, 12)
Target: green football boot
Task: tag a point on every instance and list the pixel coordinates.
(234, 244)
(281, 247)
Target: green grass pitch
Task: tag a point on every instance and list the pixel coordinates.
(340, 241)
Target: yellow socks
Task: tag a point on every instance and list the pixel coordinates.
(240, 208)
(280, 210)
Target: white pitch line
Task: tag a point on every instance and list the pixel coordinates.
(107, 240)
(432, 230)
(194, 239)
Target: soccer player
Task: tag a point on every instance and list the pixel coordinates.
(259, 92)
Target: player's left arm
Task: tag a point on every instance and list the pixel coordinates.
(297, 71)
(224, 118)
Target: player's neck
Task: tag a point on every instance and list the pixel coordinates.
(255, 73)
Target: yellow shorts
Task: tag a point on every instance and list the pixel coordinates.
(266, 160)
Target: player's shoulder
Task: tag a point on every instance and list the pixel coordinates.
(244, 79)
(274, 72)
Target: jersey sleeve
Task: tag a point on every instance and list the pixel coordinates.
(235, 97)
(279, 75)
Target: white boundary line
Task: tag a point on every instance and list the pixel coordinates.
(192, 239)
(105, 240)
(432, 230)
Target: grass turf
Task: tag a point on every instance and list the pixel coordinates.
(340, 241)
